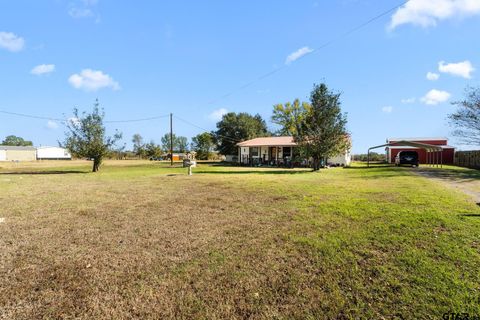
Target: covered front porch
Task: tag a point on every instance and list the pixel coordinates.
(266, 155)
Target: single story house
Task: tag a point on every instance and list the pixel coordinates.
(278, 151)
(53, 153)
(14, 153)
(395, 148)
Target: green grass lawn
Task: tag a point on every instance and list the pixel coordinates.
(143, 240)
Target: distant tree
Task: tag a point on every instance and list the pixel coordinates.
(85, 136)
(165, 141)
(180, 144)
(153, 150)
(138, 145)
(289, 116)
(322, 132)
(117, 152)
(466, 119)
(203, 144)
(237, 127)
(16, 141)
(374, 156)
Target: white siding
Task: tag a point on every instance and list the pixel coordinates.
(53, 153)
(3, 155)
(342, 160)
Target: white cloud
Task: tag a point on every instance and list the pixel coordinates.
(84, 9)
(80, 12)
(298, 54)
(74, 121)
(92, 80)
(460, 69)
(387, 109)
(43, 69)
(52, 125)
(432, 76)
(217, 115)
(408, 100)
(11, 42)
(427, 13)
(434, 97)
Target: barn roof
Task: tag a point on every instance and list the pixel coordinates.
(285, 141)
(417, 139)
(28, 148)
(404, 143)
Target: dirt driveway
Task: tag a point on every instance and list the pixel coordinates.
(461, 179)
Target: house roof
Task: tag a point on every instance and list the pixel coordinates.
(404, 147)
(29, 148)
(49, 147)
(285, 141)
(417, 139)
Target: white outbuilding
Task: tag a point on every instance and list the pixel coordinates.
(53, 153)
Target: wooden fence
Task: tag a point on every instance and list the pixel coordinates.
(469, 159)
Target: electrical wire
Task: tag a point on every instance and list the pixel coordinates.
(64, 120)
(194, 125)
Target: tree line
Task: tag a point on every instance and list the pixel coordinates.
(318, 126)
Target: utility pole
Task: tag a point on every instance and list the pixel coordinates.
(171, 139)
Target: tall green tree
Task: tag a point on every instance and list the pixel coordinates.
(85, 136)
(237, 127)
(203, 144)
(322, 132)
(180, 143)
(466, 119)
(153, 150)
(289, 116)
(138, 145)
(16, 141)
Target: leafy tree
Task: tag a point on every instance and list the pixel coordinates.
(467, 117)
(236, 127)
(165, 141)
(289, 116)
(203, 144)
(86, 136)
(322, 132)
(138, 145)
(16, 141)
(180, 143)
(153, 150)
(374, 156)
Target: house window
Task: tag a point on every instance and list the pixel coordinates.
(287, 152)
(254, 151)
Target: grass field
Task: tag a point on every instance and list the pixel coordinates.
(142, 240)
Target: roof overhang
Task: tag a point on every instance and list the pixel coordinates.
(405, 143)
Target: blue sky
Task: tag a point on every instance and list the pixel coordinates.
(149, 58)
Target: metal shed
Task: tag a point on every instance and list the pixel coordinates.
(434, 152)
(14, 153)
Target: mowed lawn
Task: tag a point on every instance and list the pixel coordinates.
(142, 240)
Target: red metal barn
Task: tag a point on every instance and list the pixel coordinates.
(448, 152)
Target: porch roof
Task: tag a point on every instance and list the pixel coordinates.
(285, 141)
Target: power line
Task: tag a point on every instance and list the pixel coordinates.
(138, 120)
(30, 116)
(261, 77)
(322, 46)
(65, 120)
(194, 125)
